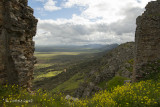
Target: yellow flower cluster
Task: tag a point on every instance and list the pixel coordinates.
(13, 96)
(142, 94)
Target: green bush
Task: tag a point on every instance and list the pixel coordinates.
(142, 94)
(115, 81)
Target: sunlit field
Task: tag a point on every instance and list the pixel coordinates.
(47, 75)
(50, 57)
(50, 64)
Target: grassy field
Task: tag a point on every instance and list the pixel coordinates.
(70, 84)
(51, 64)
(46, 56)
(64, 70)
(54, 57)
(46, 75)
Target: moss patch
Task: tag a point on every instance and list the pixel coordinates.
(103, 85)
(70, 84)
(47, 75)
(116, 81)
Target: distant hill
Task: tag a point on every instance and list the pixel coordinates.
(72, 48)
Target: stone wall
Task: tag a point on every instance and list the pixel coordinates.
(147, 38)
(17, 28)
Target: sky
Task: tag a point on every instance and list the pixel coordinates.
(82, 22)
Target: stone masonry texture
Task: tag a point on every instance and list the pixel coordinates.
(147, 40)
(17, 28)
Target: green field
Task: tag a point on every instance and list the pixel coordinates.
(51, 55)
(50, 64)
(50, 58)
(70, 84)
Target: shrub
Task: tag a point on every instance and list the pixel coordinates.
(115, 81)
(142, 94)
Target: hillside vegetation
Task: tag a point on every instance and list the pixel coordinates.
(79, 70)
(141, 94)
(66, 64)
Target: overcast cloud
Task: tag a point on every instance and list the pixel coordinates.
(100, 22)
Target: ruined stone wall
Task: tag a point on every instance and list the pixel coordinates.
(147, 38)
(17, 28)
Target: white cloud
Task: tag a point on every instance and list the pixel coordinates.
(108, 10)
(102, 21)
(50, 5)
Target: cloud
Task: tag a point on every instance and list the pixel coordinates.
(50, 5)
(108, 10)
(128, 24)
(102, 22)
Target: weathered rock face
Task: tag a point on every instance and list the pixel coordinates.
(17, 28)
(147, 38)
(2, 46)
(116, 62)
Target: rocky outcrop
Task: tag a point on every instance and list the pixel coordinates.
(147, 40)
(116, 62)
(17, 28)
(86, 90)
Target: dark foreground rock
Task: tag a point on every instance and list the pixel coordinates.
(17, 28)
